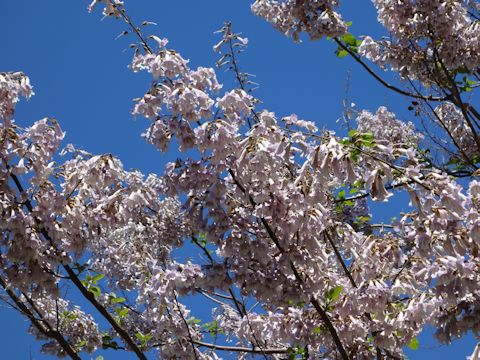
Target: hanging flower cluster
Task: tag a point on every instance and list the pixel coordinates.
(429, 38)
(292, 17)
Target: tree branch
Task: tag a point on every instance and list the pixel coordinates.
(379, 79)
(313, 301)
(240, 349)
(87, 294)
(48, 332)
(91, 298)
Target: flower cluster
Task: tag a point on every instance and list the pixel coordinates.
(384, 126)
(292, 17)
(12, 86)
(112, 7)
(453, 121)
(429, 38)
(183, 94)
(79, 329)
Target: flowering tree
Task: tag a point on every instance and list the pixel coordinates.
(278, 211)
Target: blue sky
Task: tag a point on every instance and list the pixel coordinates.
(80, 77)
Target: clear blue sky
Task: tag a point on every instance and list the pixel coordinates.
(80, 77)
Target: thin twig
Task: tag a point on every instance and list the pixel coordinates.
(383, 82)
(241, 349)
(48, 331)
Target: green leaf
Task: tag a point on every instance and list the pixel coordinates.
(476, 158)
(349, 23)
(301, 351)
(143, 338)
(121, 312)
(95, 290)
(317, 330)
(334, 293)
(338, 208)
(345, 141)
(341, 53)
(212, 328)
(367, 137)
(349, 203)
(358, 183)
(193, 320)
(210, 325)
(363, 218)
(350, 40)
(110, 345)
(80, 345)
(99, 357)
(368, 144)
(294, 352)
(118, 300)
(97, 278)
(300, 304)
(68, 315)
(352, 133)
(354, 155)
(108, 342)
(413, 344)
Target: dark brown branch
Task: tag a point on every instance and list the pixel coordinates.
(472, 110)
(240, 307)
(323, 314)
(135, 29)
(204, 293)
(473, 15)
(456, 97)
(91, 298)
(47, 331)
(458, 174)
(186, 325)
(379, 79)
(445, 128)
(340, 259)
(236, 69)
(87, 294)
(352, 281)
(240, 349)
(237, 73)
(330, 327)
